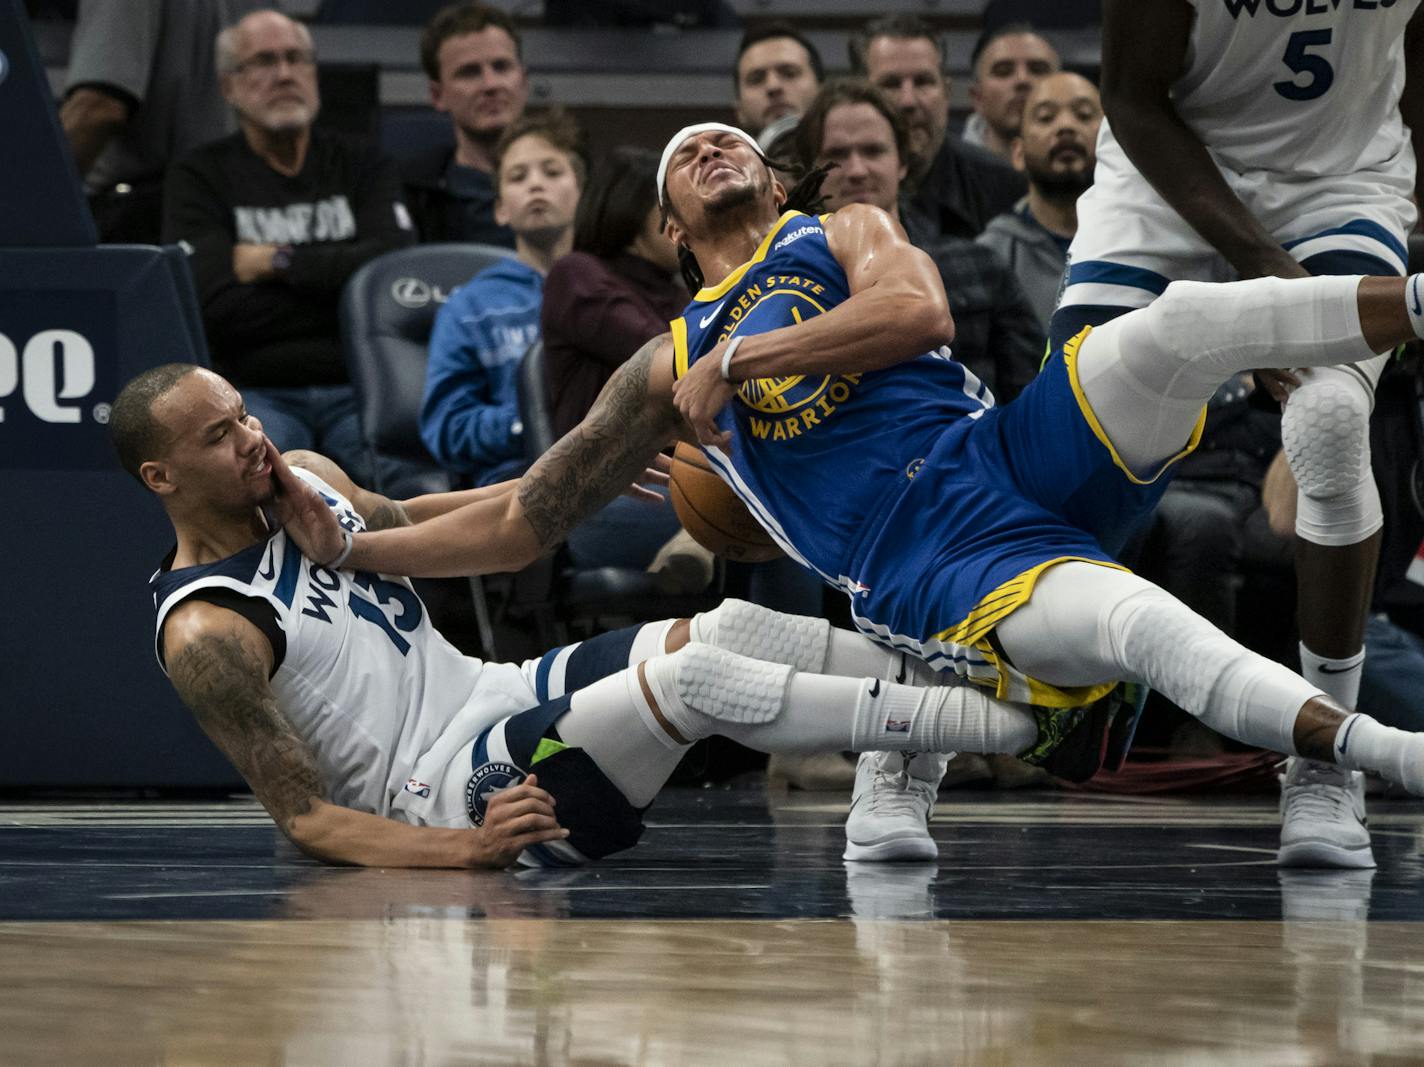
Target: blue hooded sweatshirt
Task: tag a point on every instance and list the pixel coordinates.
(470, 417)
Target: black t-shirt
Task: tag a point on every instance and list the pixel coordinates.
(340, 210)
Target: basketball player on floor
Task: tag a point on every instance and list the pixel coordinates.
(812, 370)
(371, 740)
(1244, 140)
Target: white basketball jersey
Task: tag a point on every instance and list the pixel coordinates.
(1304, 87)
(380, 697)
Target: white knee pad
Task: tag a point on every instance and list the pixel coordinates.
(699, 687)
(1160, 641)
(1325, 429)
(751, 630)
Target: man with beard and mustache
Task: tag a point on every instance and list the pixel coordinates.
(1056, 148)
(276, 218)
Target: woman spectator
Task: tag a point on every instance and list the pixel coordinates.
(613, 293)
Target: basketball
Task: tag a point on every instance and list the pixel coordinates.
(711, 512)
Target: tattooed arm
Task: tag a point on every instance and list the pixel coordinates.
(219, 663)
(383, 513)
(632, 419)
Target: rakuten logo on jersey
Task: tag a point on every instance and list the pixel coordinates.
(794, 235)
(55, 368)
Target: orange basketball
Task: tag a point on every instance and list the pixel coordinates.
(711, 512)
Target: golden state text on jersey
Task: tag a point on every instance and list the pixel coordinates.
(818, 457)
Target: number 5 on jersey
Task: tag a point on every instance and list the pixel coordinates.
(1301, 61)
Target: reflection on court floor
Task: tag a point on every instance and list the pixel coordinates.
(1054, 930)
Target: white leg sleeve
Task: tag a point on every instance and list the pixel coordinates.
(703, 690)
(1148, 374)
(1087, 624)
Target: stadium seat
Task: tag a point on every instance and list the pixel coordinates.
(561, 597)
(387, 313)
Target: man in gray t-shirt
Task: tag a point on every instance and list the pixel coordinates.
(142, 90)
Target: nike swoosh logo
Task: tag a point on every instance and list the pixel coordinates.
(271, 562)
(1345, 740)
(1337, 670)
(1414, 291)
(708, 320)
(875, 688)
(903, 665)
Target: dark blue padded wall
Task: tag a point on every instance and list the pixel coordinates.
(82, 701)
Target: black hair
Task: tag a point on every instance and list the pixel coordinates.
(903, 27)
(811, 131)
(456, 20)
(769, 31)
(994, 33)
(621, 191)
(137, 436)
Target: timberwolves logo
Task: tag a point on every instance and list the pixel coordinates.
(489, 780)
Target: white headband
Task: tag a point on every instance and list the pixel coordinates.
(692, 131)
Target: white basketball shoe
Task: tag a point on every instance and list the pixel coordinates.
(890, 807)
(1323, 817)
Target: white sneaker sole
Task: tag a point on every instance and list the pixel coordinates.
(1325, 854)
(904, 848)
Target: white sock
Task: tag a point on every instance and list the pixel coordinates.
(854, 655)
(1362, 744)
(1339, 679)
(891, 717)
(1413, 295)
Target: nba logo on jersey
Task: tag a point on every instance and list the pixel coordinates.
(489, 780)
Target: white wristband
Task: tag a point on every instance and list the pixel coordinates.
(1414, 302)
(341, 556)
(727, 357)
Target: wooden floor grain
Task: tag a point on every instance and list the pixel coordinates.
(533, 991)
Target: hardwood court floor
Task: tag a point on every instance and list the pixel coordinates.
(1055, 929)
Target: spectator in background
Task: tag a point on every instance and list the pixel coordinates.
(956, 188)
(470, 416)
(141, 90)
(1007, 63)
(277, 217)
(471, 54)
(617, 290)
(1056, 149)
(778, 71)
(852, 125)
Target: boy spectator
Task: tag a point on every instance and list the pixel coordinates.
(470, 417)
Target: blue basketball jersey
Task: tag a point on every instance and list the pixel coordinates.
(907, 488)
(819, 459)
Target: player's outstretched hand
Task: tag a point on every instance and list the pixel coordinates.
(516, 818)
(656, 475)
(299, 508)
(701, 394)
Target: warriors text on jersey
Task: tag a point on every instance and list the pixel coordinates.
(379, 696)
(907, 488)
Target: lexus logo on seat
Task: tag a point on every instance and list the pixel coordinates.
(416, 293)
